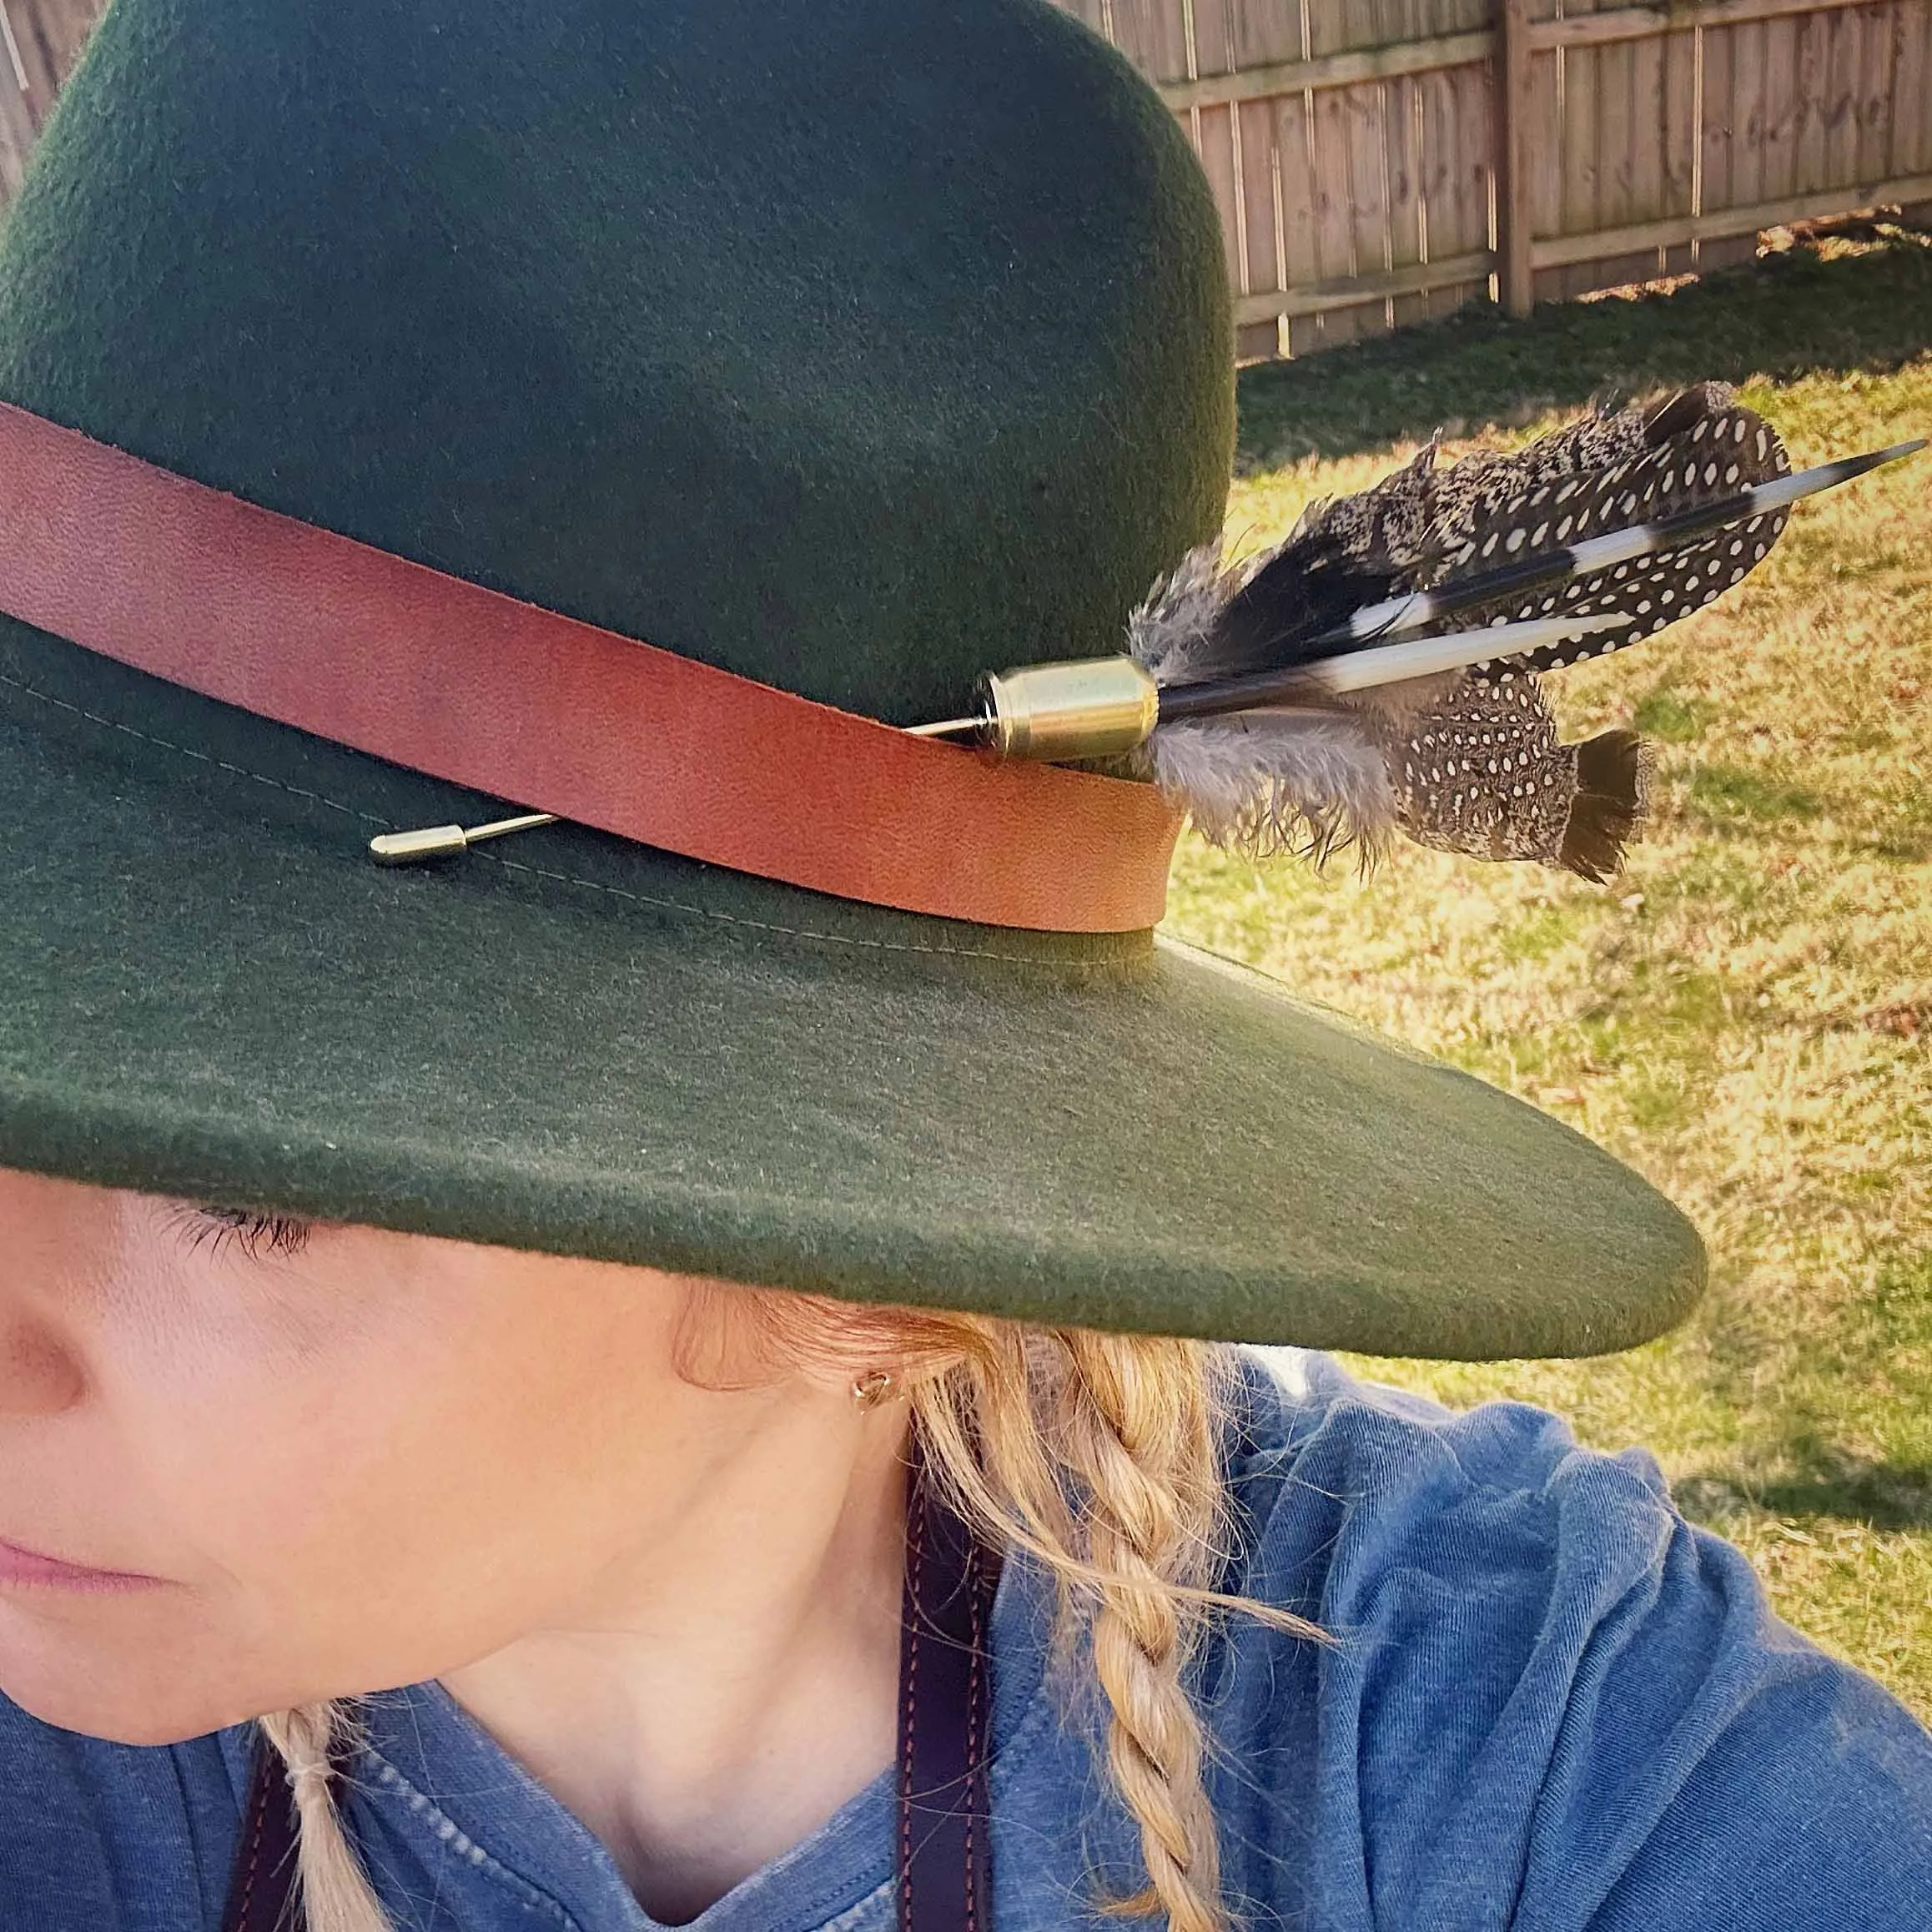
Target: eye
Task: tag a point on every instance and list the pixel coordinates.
(257, 1236)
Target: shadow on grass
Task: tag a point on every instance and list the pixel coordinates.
(1883, 1496)
(1805, 310)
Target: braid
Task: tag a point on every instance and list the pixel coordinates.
(1145, 1463)
(336, 1896)
(1099, 1455)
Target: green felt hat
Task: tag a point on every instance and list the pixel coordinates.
(855, 346)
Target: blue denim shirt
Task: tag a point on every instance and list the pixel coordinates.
(1554, 1706)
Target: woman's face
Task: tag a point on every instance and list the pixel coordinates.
(294, 1469)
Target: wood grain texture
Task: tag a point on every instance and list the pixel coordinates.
(1876, 99)
(1615, 23)
(1516, 106)
(1733, 120)
(1407, 228)
(1910, 148)
(1680, 57)
(1294, 144)
(1154, 35)
(1583, 97)
(1215, 142)
(1779, 149)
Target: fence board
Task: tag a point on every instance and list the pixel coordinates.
(1214, 138)
(1345, 165)
(1253, 130)
(1451, 231)
(1815, 207)
(1811, 106)
(1843, 50)
(1923, 65)
(15, 133)
(1911, 141)
(1408, 237)
(1623, 135)
(1214, 51)
(1779, 175)
(43, 38)
(1646, 125)
(1751, 169)
(1276, 150)
(1401, 21)
(1294, 144)
(1731, 135)
(1459, 124)
(1681, 56)
(1368, 193)
(48, 36)
(1868, 109)
(1334, 225)
(1259, 33)
(1584, 91)
(1543, 143)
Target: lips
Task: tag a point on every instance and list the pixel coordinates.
(22, 1567)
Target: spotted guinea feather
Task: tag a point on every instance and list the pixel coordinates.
(1482, 771)
(1701, 447)
(1469, 762)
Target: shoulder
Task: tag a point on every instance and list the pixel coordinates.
(1548, 1700)
(1364, 1496)
(96, 1837)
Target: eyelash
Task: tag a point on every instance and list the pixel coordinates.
(256, 1234)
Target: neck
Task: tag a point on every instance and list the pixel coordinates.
(717, 1702)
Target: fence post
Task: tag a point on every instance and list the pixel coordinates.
(1514, 279)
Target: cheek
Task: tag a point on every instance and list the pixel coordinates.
(460, 1458)
(368, 1494)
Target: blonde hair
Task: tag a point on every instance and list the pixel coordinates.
(1097, 1455)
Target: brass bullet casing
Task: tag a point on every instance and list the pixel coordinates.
(1092, 708)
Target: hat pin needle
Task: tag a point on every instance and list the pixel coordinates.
(1092, 708)
(446, 841)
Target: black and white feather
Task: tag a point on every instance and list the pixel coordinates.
(1584, 523)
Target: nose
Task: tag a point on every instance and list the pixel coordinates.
(39, 1375)
(41, 1370)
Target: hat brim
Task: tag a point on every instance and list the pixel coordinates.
(570, 1045)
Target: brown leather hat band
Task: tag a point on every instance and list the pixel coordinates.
(368, 650)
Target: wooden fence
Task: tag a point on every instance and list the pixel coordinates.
(1420, 153)
(1378, 161)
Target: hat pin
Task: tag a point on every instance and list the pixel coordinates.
(1237, 650)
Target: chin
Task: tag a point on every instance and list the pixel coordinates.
(118, 1687)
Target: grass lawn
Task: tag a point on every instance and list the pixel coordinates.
(1747, 1014)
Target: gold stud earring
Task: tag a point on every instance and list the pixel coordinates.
(871, 1388)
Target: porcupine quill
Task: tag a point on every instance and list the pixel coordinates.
(1468, 761)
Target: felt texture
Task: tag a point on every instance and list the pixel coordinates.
(860, 348)
(856, 347)
(574, 1043)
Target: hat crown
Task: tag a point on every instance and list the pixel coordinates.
(858, 347)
